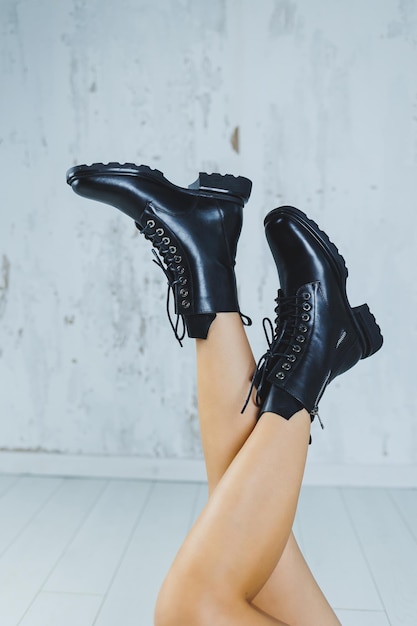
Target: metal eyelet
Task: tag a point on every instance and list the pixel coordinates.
(177, 258)
(166, 240)
(292, 358)
(183, 292)
(305, 317)
(180, 269)
(150, 223)
(280, 375)
(296, 348)
(185, 304)
(172, 249)
(300, 338)
(306, 306)
(160, 232)
(183, 281)
(306, 295)
(303, 328)
(286, 366)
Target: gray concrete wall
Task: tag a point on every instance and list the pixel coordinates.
(324, 96)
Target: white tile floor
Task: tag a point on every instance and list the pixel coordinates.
(94, 552)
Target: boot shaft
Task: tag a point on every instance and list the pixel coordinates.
(195, 231)
(318, 335)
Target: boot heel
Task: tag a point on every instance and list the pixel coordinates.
(229, 184)
(369, 330)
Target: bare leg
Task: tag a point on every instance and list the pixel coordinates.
(238, 539)
(225, 365)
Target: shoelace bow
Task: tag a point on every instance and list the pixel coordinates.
(287, 311)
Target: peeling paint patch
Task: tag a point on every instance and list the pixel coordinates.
(5, 273)
(404, 26)
(4, 282)
(385, 445)
(234, 140)
(283, 18)
(35, 449)
(214, 17)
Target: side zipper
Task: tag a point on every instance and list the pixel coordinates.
(315, 412)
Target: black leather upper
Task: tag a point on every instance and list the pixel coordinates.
(202, 226)
(321, 337)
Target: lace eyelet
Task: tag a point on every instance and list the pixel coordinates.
(185, 304)
(183, 281)
(300, 339)
(306, 306)
(292, 358)
(296, 348)
(183, 292)
(280, 375)
(286, 366)
(177, 259)
(172, 249)
(180, 269)
(166, 240)
(306, 295)
(150, 223)
(160, 232)
(305, 317)
(303, 328)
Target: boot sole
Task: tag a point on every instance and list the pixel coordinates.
(371, 331)
(364, 321)
(207, 184)
(227, 183)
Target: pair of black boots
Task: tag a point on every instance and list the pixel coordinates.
(195, 231)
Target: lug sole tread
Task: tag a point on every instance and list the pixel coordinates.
(370, 329)
(226, 184)
(118, 168)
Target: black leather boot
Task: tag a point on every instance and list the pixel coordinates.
(317, 334)
(195, 231)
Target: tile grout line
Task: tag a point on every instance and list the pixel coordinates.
(77, 530)
(402, 515)
(356, 533)
(72, 593)
(370, 611)
(151, 487)
(17, 479)
(79, 527)
(30, 520)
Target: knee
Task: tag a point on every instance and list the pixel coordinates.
(167, 609)
(175, 605)
(182, 600)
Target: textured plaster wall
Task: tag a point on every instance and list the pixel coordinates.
(315, 100)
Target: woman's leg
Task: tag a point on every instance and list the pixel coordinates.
(238, 539)
(318, 336)
(225, 365)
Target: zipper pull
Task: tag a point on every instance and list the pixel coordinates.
(315, 413)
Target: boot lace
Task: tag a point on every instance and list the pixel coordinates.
(172, 269)
(288, 333)
(175, 274)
